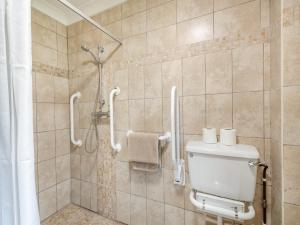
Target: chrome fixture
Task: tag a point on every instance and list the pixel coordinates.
(90, 20)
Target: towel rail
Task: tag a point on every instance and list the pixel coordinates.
(72, 99)
(115, 146)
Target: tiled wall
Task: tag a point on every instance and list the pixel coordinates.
(276, 125)
(51, 113)
(291, 110)
(218, 55)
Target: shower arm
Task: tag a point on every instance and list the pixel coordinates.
(89, 19)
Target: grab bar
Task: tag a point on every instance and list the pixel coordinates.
(178, 163)
(72, 99)
(115, 146)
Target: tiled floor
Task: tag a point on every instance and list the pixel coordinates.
(75, 215)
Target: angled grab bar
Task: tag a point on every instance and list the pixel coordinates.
(72, 99)
(178, 163)
(115, 146)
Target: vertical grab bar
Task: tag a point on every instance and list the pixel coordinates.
(72, 99)
(115, 146)
(178, 163)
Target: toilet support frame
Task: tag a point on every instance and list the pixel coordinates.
(222, 207)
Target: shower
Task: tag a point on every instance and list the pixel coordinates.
(97, 113)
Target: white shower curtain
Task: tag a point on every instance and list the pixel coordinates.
(18, 202)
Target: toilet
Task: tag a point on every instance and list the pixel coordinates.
(223, 179)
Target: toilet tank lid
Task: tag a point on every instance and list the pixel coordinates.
(238, 151)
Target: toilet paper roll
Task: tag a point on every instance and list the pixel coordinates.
(209, 135)
(228, 136)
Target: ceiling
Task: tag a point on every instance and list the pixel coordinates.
(56, 10)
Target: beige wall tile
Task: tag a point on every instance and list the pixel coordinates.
(122, 176)
(62, 44)
(291, 49)
(136, 115)
(61, 29)
(267, 66)
(120, 79)
(133, 25)
(193, 114)
(133, 6)
(174, 194)
(290, 3)
(75, 191)
(135, 47)
(161, 16)
(243, 19)
(61, 90)
(248, 114)
(161, 39)
(265, 13)
(136, 82)
(153, 115)
(193, 218)
(174, 215)
(219, 111)
(138, 183)
(84, 112)
(219, 72)
(291, 214)
(88, 168)
(193, 75)
(155, 186)
(44, 55)
(153, 3)
(123, 207)
(46, 145)
(62, 116)
(45, 117)
(172, 76)
(195, 30)
(222, 4)
(63, 194)
(46, 174)
(291, 173)
(43, 36)
(94, 198)
(47, 202)
(138, 210)
(187, 9)
(121, 115)
(62, 142)
(291, 115)
(75, 166)
(121, 137)
(267, 114)
(44, 88)
(85, 194)
(155, 213)
(63, 169)
(110, 15)
(43, 20)
(153, 81)
(246, 76)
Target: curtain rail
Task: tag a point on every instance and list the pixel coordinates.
(89, 19)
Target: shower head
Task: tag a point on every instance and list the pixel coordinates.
(84, 48)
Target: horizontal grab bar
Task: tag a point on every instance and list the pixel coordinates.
(165, 137)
